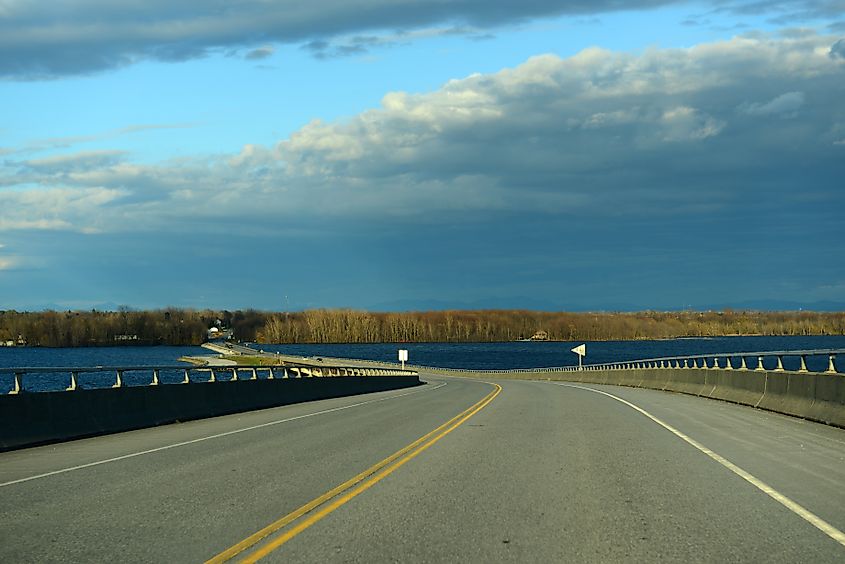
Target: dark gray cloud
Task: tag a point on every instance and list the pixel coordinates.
(260, 53)
(77, 162)
(785, 10)
(42, 40)
(363, 44)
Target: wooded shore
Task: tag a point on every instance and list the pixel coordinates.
(174, 326)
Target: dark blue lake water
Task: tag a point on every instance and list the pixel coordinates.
(544, 354)
(450, 355)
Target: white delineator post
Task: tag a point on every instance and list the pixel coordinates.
(403, 357)
(581, 351)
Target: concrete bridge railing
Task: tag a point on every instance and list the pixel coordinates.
(815, 395)
(801, 383)
(116, 377)
(83, 402)
(718, 361)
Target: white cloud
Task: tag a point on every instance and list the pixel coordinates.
(78, 209)
(598, 132)
(787, 103)
(688, 124)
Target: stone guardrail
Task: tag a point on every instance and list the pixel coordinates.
(190, 374)
(33, 417)
(815, 395)
(724, 361)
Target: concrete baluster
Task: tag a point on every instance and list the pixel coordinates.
(760, 364)
(254, 375)
(728, 365)
(742, 365)
(234, 374)
(831, 365)
(716, 362)
(187, 378)
(686, 363)
(270, 375)
(779, 367)
(17, 384)
(73, 382)
(213, 377)
(118, 381)
(803, 367)
(155, 381)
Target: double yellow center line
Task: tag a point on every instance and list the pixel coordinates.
(319, 507)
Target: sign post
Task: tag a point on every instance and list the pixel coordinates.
(403, 357)
(581, 351)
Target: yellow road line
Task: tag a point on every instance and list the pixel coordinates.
(363, 481)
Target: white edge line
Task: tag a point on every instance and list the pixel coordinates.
(217, 436)
(796, 508)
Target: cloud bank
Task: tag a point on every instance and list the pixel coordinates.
(711, 129)
(49, 39)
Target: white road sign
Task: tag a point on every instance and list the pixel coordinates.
(581, 351)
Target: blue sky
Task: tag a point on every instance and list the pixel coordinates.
(415, 154)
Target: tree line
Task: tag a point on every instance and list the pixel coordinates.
(351, 326)
(171, 326)
(175, 326)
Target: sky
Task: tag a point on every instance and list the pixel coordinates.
(421, 154)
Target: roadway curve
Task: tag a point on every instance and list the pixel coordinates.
(544, 472)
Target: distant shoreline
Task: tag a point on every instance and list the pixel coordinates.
(184, 327)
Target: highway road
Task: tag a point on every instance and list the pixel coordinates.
(457, 470)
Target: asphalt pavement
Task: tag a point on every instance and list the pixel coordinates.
(538, 472)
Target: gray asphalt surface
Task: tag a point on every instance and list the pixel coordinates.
(545, 473)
